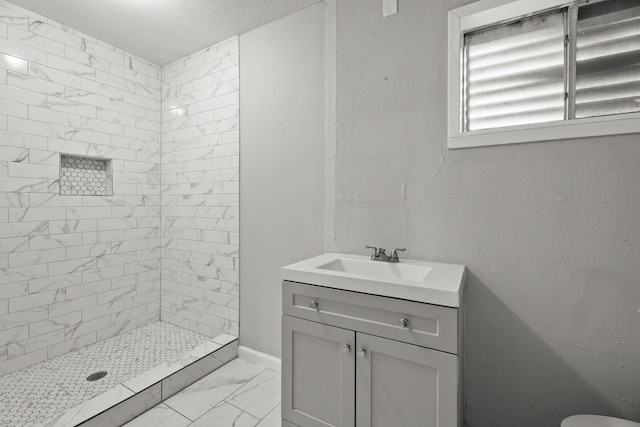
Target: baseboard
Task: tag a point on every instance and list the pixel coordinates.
(259, 358)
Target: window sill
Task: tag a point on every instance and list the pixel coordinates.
(550, 131)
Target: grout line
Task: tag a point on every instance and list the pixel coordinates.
(175, 410)
(239, 387)
(223, 399)
(218, 405)
(249, 390)
(273, 410)
(243, 411)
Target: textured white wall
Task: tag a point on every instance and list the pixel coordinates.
(200, 214)
(282, 164)
(548, 231)
(74, 269)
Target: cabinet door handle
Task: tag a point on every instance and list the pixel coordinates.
(362, 352)
(404, 322)
(346, 348)
(313, 305)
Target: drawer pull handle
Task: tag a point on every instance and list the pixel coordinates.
(313, 305)
(362, 352)
(404, 322)
(346, 348)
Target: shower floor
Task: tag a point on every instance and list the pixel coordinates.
(40, 392)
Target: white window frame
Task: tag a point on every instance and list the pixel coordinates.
(490, 12)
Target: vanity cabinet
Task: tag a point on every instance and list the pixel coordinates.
(320, 374)
(359, 360)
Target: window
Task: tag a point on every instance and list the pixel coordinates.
(608, 59)
(524, 71)
(514, 73)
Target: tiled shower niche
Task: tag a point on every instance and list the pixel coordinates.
(85, 176)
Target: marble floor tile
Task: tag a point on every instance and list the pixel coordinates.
(259, 396)
(195, 400)
(274, 419)
(225, 415)
(247, 384)
(159, 416)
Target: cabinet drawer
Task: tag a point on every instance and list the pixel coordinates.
(428, 325)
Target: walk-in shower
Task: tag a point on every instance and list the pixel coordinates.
(118, 221)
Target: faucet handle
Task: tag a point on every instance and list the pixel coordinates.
(394, 253)
(375, 251)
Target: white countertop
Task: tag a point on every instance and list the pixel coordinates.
(422, 281)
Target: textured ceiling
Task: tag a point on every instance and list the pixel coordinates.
(163, 31)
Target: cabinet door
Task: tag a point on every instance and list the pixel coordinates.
(318, 374)
(403, 385)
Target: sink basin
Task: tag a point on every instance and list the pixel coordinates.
(422, 281)
(378, 269)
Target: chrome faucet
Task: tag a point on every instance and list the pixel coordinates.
(379, 254)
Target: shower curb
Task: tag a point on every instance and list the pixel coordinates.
(132, 398)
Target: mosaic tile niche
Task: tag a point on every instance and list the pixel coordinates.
(85, 176)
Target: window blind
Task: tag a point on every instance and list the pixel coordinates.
(515, 73)
(608, 58)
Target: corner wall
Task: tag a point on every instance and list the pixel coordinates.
(74, 269)
(200, 213)
(282, 186)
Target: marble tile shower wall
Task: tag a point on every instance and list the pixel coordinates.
(74, 269)
(200, 191)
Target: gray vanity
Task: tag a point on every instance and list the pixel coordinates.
(368, 343)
